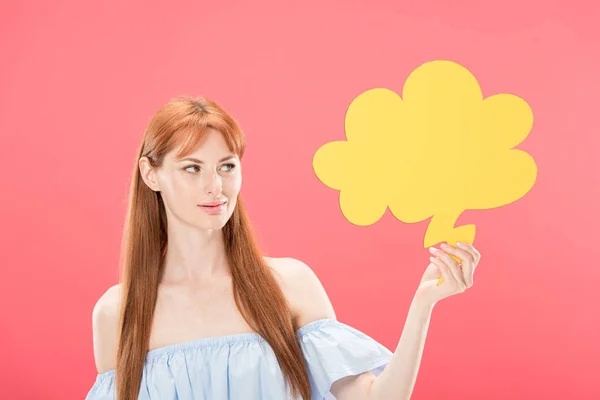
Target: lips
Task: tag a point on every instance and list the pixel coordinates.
(212, 204)
(213, 207)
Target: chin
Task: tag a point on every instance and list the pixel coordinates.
(213, 222)
(205, 220)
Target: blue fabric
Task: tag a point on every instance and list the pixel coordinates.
(243, 366)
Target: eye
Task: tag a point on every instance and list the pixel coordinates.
(192, 166)
(230, 166)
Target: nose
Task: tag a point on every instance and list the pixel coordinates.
(214, 183)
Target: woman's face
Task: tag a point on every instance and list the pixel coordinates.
(200, 189)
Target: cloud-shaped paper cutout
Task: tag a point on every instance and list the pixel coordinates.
(437, 151)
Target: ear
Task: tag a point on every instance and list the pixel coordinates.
(148, 174)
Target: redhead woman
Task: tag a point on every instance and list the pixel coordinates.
(200, 313)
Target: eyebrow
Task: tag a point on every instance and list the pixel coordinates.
(202, 162)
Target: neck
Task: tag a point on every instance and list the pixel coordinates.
(194, 255)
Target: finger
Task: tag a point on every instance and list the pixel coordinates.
(468, 270)
(451, 263)
(444, 270)
(468, 262)
(463, 255)
(470, 249)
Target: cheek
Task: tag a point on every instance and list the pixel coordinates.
(177, 189)
(232, 186)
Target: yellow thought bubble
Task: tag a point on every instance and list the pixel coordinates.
(437, 151)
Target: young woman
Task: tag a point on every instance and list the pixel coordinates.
(201, 314)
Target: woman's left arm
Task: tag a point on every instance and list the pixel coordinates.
(399, 376)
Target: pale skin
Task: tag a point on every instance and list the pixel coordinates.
(197, 280)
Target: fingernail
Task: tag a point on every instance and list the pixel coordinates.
(433, 249)
(459, 243)
(444, 246)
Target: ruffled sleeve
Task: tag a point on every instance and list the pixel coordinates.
(104, 387)
(333, 350)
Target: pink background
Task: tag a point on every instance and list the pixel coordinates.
(80, 80)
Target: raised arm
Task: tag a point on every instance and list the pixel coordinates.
(310, 302)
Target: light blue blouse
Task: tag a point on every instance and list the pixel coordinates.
(243, 366)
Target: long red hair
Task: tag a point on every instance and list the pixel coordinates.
(257, 293)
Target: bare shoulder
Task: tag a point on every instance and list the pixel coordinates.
(105, 323)
(306, 295)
